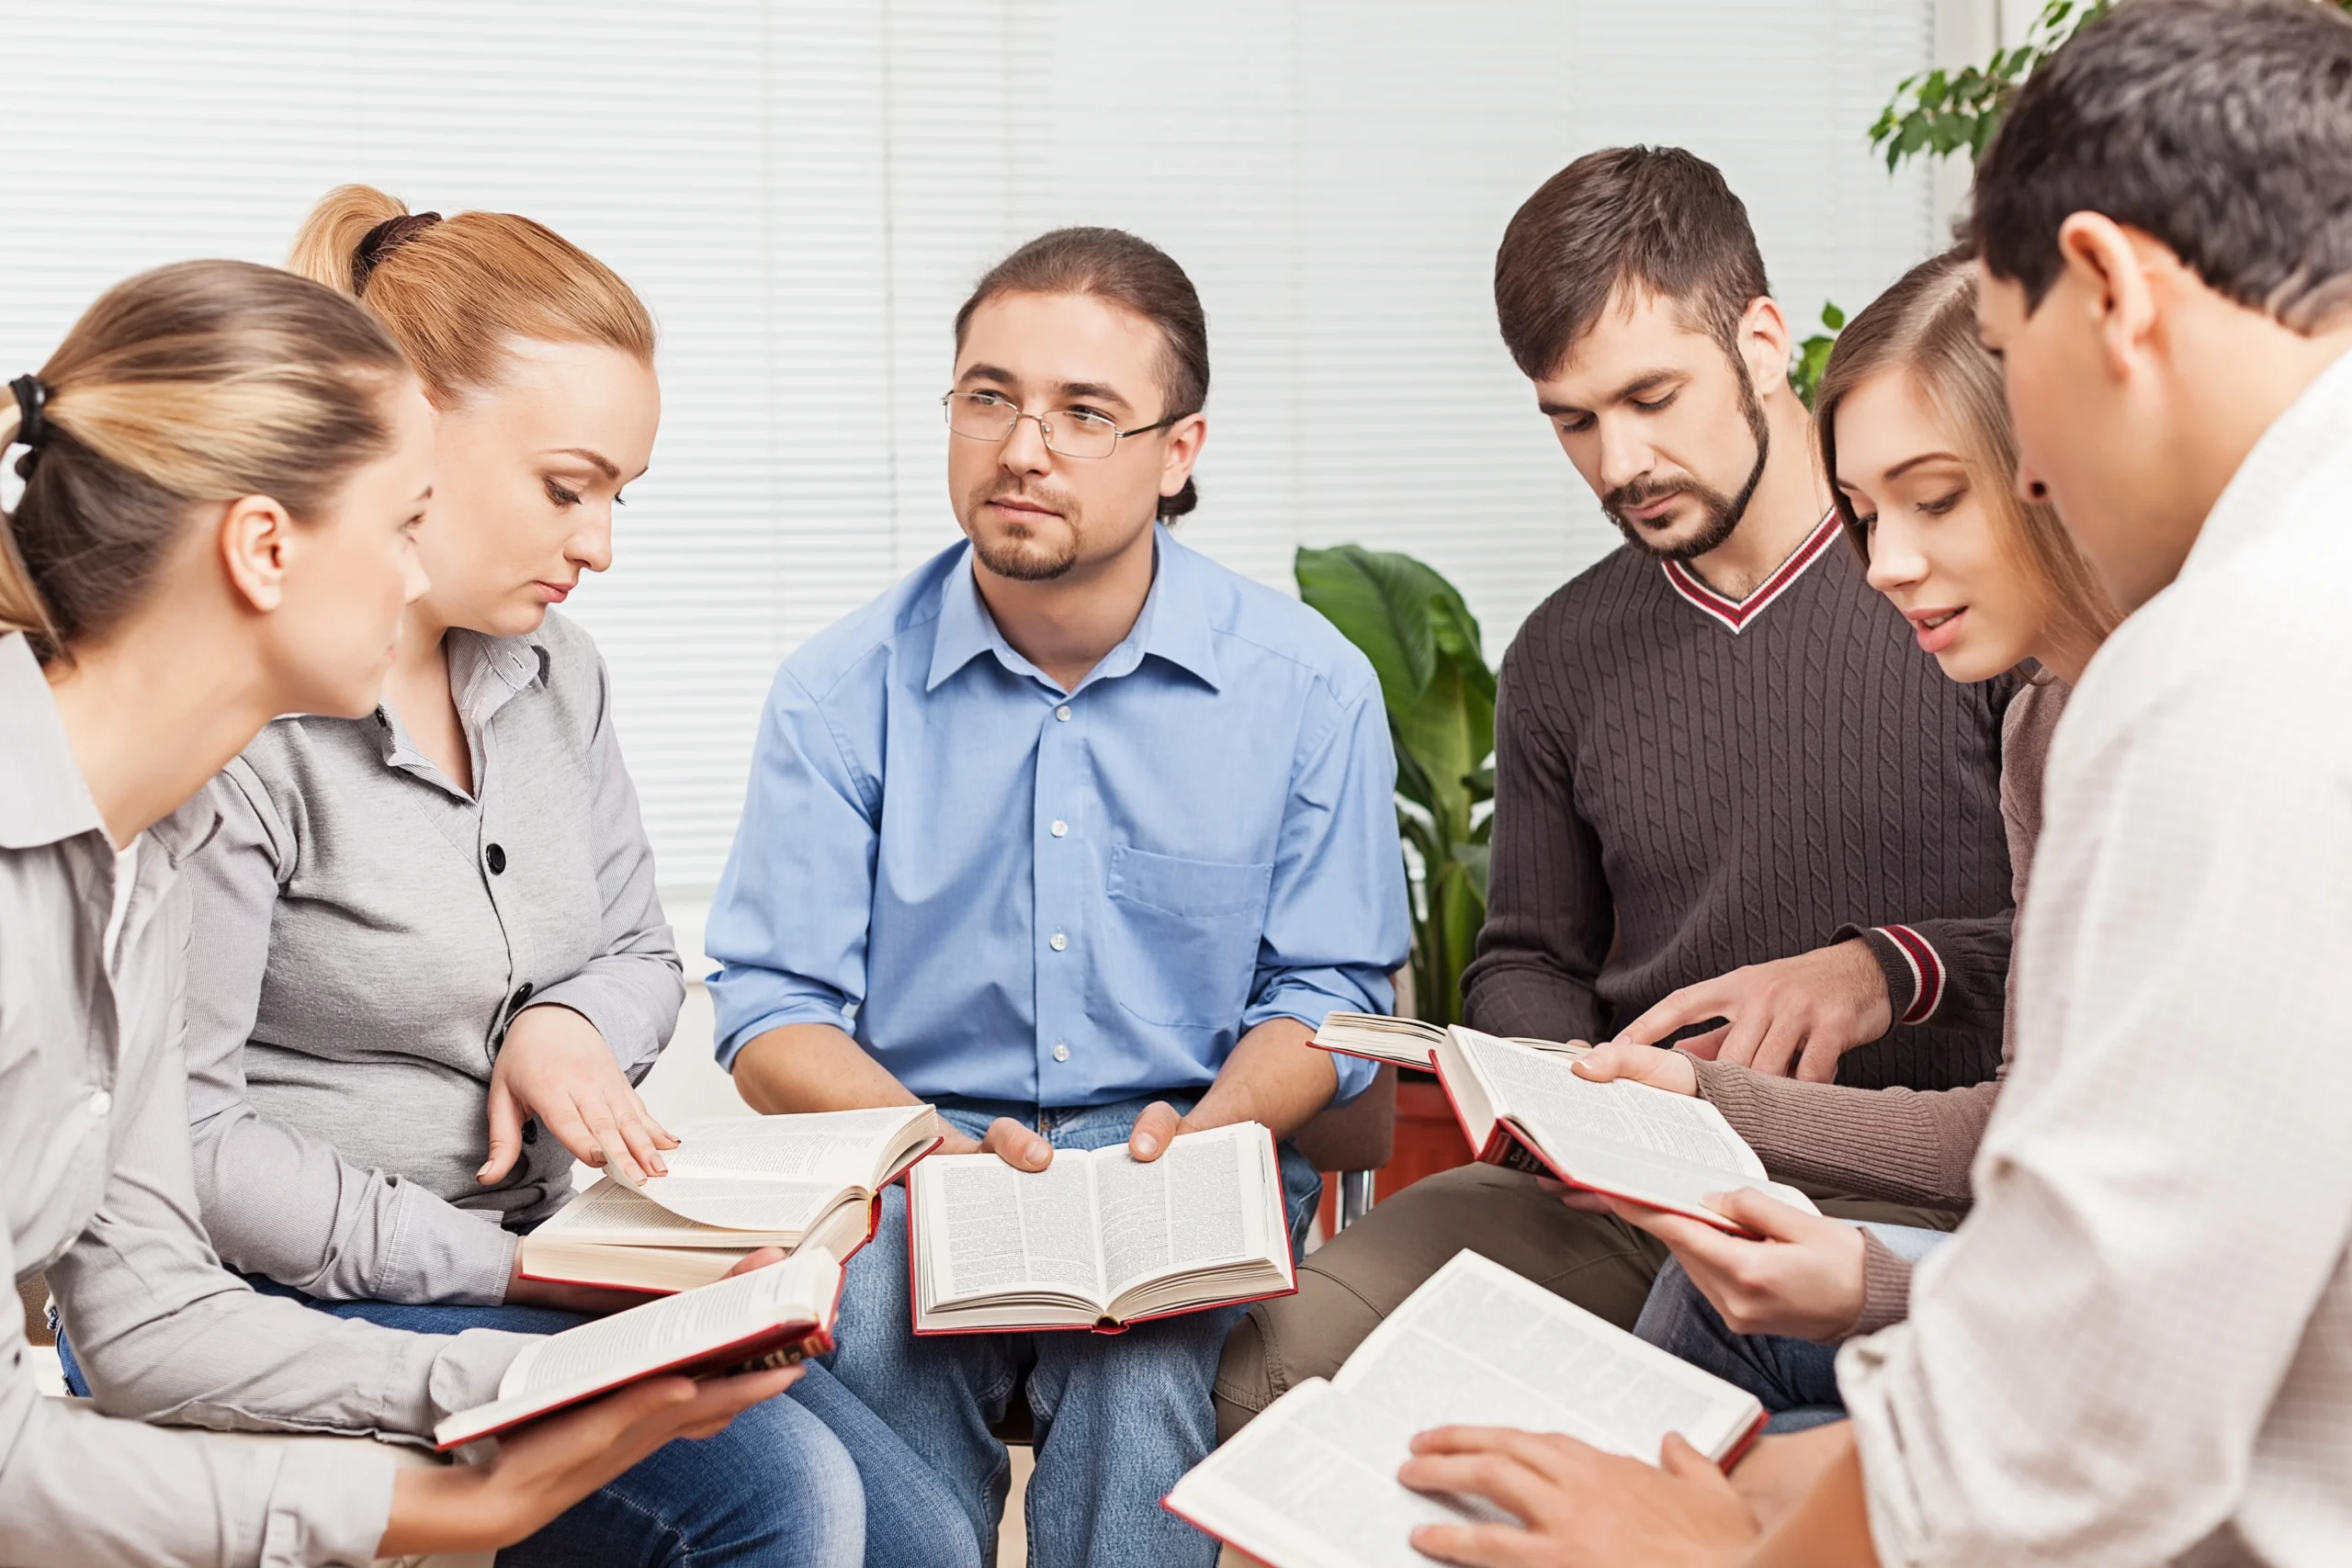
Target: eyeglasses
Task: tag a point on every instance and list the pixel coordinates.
(1073, 433)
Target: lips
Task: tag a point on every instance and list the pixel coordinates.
(1937, 629)
(554, 592)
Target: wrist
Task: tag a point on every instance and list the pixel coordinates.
(437, 1507)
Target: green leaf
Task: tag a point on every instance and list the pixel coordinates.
(1380, 603)
(1831, 316)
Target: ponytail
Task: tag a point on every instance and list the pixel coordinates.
(193, 384)
(456, 293)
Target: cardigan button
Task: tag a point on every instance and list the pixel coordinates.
(496, 856)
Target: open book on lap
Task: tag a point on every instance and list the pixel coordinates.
(1097, 1240)
(735, 1184)
(765, 1317)
(1525, 1108)
(1402, 1041)
(1312, 1482)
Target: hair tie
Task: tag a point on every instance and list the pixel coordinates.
(384, 239)
(32, 425)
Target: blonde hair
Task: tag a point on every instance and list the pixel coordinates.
(1925, 326)
(454, 293)
(198, 382)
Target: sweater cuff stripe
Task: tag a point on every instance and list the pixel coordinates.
(1928, 977)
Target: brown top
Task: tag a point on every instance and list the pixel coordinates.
(1899, 1144)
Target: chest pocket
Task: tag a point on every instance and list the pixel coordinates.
(1183, 936)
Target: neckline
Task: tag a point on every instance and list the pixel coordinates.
(1737, 614)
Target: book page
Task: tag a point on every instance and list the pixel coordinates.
(1543, 1092)
(1184, 1210)
(1312, 1484)
(1477, 1344)
(746, 1202)
(609, 1208)
(636, 1341)
(998, 1228)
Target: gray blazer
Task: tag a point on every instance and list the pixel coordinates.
(99, 1194)
(365, 932)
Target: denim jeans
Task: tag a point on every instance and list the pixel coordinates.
(810, 1478)
(1795, 1379)
(1118, 1418)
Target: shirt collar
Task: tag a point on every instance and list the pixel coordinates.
(2316, 429)
(1174, 625)
(43, 799)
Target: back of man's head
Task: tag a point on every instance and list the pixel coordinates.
(2220, 127)
(1658, 218)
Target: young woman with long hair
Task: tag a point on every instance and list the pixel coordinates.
(223, 468)
(429, 963)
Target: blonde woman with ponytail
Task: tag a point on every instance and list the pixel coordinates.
(430, 965)
(223, 466)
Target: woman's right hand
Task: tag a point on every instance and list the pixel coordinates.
(1668, 1070)
(545, 1468)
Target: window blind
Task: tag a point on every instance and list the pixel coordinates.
(803, 194)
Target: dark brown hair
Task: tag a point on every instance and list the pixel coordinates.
(1135, 275)
(454, 293)
(1925, 327)
(1657, 218)
(203, 381)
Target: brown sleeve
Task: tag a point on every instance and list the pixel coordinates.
(1899, 1146)
(1886, 1289)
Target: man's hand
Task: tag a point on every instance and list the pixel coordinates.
(550, 1465)
(556, 1066)
(1668, 1070)
(1576, 1505)
(1007, 1139)
(1804, 1278)
(1793, 1017)
(1148, 1138)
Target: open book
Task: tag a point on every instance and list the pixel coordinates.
(765, 1317)
(1405, 1041)
(735, 1184)
(1523, 1107)
(1097, 1240)
(1312, 1482)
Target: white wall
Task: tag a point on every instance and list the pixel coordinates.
(803, 192)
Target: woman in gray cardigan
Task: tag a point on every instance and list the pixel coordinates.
(223, 468)
(429, 963)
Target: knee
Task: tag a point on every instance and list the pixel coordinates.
(779, 1459)
(1242, 1388)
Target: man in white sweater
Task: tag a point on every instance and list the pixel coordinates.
(2138, 1350)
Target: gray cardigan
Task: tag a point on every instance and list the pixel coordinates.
(93, 1115)
(365, 932)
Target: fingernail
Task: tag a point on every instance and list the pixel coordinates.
(1146, 1144)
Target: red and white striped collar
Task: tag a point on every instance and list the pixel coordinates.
(1737, 612)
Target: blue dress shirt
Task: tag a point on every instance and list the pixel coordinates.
(1007, 891)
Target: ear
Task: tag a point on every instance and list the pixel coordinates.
(1765, 345)
(2109, 282)
(257, 542)
(1185, 438)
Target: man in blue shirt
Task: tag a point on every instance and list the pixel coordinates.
(1078, 835)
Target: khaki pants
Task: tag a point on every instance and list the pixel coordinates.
(1355, 1281)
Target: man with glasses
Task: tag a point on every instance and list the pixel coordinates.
(1077, 835)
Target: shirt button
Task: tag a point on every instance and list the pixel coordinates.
(497, 859)
(1061, 829)
(522, 995)
(1058, 941)
(101, 1102)
(1062, 713)
(1061, 1053)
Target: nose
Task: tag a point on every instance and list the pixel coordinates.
(1024, 450)
(414, 583)
(1896, 561)
(1624, 456)
(591, 545)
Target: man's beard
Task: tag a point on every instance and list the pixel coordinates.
(1722, 512)
(1022, 557)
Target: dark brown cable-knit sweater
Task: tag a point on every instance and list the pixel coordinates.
(1686, 783)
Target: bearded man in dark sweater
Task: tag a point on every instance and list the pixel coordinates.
(1735, 808)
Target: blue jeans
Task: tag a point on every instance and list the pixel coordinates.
(1795, 1379)
(812, 1477)
(1118, 1418)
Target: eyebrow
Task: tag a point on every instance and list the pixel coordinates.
(1099, 391)
(597, 460)
(1643, 382)
(1908, 464)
